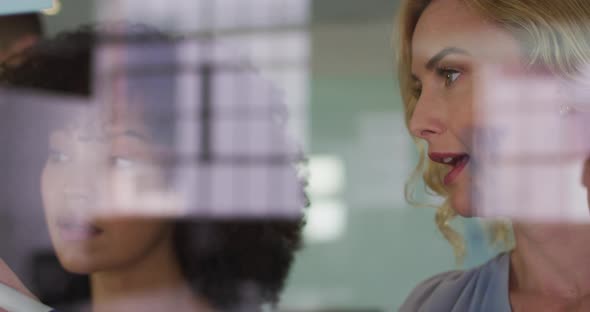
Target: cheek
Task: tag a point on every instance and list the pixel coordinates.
(129, 241)
(49, 185)
(44, 184)
(123, 244)
(462, 119)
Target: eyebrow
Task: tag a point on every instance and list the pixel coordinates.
(431, 64)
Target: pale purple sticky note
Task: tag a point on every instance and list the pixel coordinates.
(528, 156)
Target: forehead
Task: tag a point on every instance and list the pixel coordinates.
(452, 23)
(97, 121)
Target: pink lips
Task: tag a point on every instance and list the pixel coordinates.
(457, 160)
(76, 230)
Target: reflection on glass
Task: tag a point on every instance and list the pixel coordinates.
(106, 158)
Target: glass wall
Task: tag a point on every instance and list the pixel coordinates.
(330, 65)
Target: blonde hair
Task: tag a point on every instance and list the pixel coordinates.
(555, 35)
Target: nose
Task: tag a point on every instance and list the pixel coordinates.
(427, 119)
(79, 190)
(78, 183)
(81, 175)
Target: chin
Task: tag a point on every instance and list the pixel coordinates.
(461, 206)
(75, 260)
(460, 195)
(461, 201)
(78, 265)
(77, 269)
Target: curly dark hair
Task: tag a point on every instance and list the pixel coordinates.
(234, 264)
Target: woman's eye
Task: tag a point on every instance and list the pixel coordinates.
(450, 75)
(122, 162)
(58, 157)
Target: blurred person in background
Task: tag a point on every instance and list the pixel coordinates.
(445, 50)
(140, 263)
(17, 33)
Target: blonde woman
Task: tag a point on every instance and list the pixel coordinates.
(445, 48)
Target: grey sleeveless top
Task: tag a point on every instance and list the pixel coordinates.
(481, 289)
